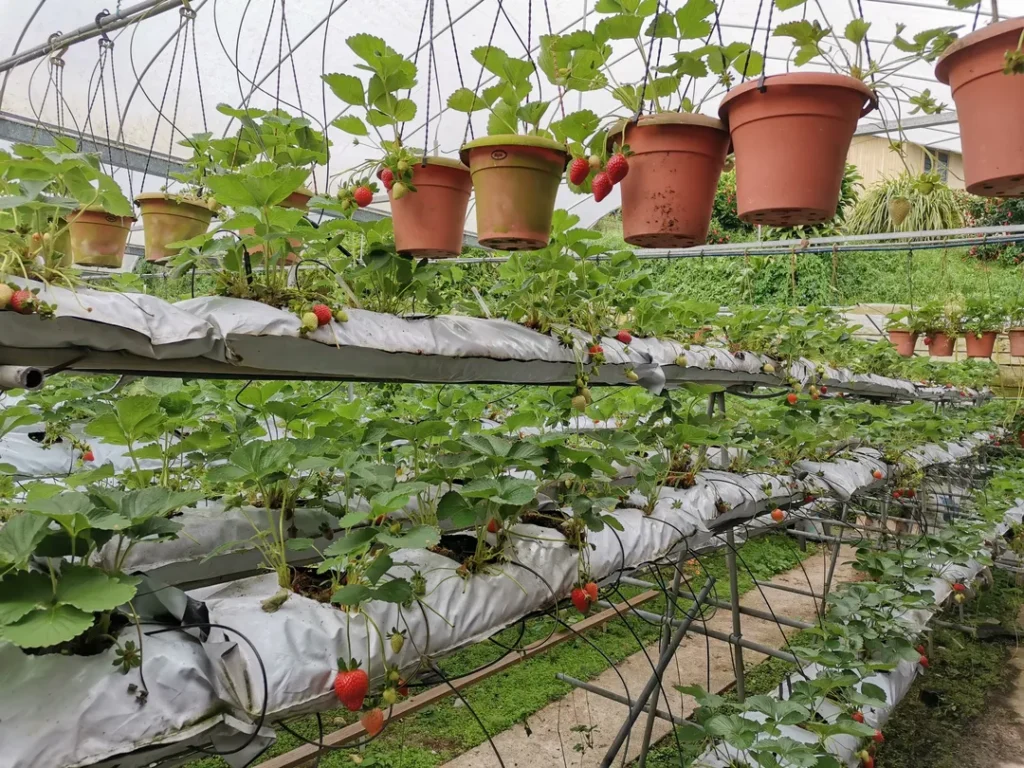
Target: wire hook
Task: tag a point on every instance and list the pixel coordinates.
(188, 12)
(56, 53)
(105, 41)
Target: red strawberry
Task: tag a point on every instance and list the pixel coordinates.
(493, 526)
(896, 494)
(920, 649)
(958, 587)
(778, 515)
(23, 302)
(387, 178)
(591, 589)
(878, 737)
(373, 721)
(581, 600)
(624, 336)
(923, 661)
(403, 688)
(579, 169)
(877, 474)
(363, 196)
(791, 398)
(927, 341)
(323, 313)
(910, 493)
(88, 456)
(351, 686)
(596, 349)
(868, 762)
(823, 389)
(602, 186)
(617, 168)
(808, 499)
(380, 173)
(858, 716)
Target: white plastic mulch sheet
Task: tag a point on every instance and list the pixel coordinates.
(68, 711)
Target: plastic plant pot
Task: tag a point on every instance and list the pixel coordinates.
(980, 345)
(167, 219)
(1016, 336)
(298, 199)
(989, 108)
(669, 193)
(430, 222)
(904, 341)
(515, 179)
(98, 238)
(942, 345)
(791, 135)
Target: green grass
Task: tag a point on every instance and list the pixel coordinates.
(440, 733)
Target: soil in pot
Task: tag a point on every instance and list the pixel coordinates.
(669, 193)
(941, 344)
(989, 108)
(457, 547)
(98, 239)
(167, 219)
(980, 346)
(1016, 336)
(904, 341)
(791, 134)
(430, 222)
(316, 586)
(553, 520)
(515, 179)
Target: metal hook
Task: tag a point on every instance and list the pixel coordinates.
(57, 53)
(188, 12)
(99, 26)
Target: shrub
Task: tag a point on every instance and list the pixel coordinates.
(932, 205)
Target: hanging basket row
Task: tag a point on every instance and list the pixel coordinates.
(942, 344)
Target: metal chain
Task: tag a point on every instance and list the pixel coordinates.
(430, 72)
(480, 79)
(199, 79)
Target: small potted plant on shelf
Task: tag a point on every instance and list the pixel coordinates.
(429, 194)
(518, 166)
(981, 322)
(1015, 331)
(668, 162)
(903, 327)
(941, 325)
(985, 71)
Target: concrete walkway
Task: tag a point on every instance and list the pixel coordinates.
(553, 743)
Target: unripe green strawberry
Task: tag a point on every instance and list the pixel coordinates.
(309, 322)
(341, 316)
(579, 403)
(632, 375)
(587, 395)
(397, 641)
(389, 696)
(6, 292)
(399, 191)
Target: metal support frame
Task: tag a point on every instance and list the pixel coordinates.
(619, 698)
(654, 683)
(737, 629)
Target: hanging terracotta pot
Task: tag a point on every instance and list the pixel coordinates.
(168, 219)
(669, 193)
(941, 344)
(980, 345)
(298, 199)
(515, 179)
(989, 108)
(62, 245)
(98, 239)
(430, 222)
(1016, 341)
(791, 137)
(904, 341)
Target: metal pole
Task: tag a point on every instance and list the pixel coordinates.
(787, 588)
(618, 698)
(835, 558)
(734, 598)
(655, 680)
(103, 25)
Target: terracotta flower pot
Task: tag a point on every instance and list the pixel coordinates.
(791, 139)
(669, 193)
(167, 219)
(904, 341)
(989, 108)
(980, 347)
(298, 199)
(430, 221)
(1016, 341)
(942, 345)
(515, 179)
(98, 239)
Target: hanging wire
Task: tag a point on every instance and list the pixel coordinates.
(483, 68)
(160, 109)
(458, 62)
(416, 57)
(764, 55)
(647, 64)
(430, 73)
(177, 93)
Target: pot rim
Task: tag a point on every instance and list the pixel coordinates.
(198, 202)
(830, 79)
(442, 162)
(679, 119)
(512, 140)
(72, 217)
(943, 65)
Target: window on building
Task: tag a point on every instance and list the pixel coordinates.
(937, 162)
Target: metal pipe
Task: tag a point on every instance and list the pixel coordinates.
(787, 588)
(617, 697)
(752, 612)
(734, 599)
(714, 634)
(21, 377)
(103, 25)
(655, 680)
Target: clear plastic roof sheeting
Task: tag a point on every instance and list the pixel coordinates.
(272, 52)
